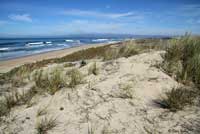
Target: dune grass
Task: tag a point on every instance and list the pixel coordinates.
(75, 77)
(182, 59)
(15, 98)
(46, 124)
(177, 98)
(51, 83)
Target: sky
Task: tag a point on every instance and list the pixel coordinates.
(63, 17)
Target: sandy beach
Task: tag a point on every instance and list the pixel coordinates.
(7, 65)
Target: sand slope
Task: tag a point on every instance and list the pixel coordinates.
(118, 100)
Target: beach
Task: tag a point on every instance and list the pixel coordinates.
(7, 65)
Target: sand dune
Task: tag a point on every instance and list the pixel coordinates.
(120, 99)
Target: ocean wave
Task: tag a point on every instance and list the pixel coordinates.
(48, 42)
(73, 41)
(69, 40)
(35, 43)
(39, 44)
(4, 49)
(100, 40)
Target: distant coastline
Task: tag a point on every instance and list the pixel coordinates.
(7, 65)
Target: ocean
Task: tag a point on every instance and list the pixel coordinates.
(11, 48)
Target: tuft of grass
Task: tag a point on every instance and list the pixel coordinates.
(93, 69)
(110, 54)
(177, 99)
(52, 83)
(16, 98)
(46, 125)
(127, 49)
(182, 59)
(75, 77)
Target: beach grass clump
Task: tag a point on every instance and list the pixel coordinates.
(75, 77)
(16, 98)
(182, 59)
(177, 98)
(128, 50)
(93, 69)
(52, 83)
(46, 124)
(111, 54)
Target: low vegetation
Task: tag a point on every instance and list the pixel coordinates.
(46, 124)
(182, 59)
(51, 83)
(75, 77)
(125, 50)
(15, 98)
(177, 99)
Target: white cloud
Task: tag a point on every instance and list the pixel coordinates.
(20, 17)
(87, 13)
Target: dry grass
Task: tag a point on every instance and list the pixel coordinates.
(75, 77)
(51, 83)
(15, 98)
(182, 59)
(46, 125)
(177, 99)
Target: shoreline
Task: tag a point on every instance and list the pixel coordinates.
(7, 65)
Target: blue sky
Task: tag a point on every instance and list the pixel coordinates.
(62, 17)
